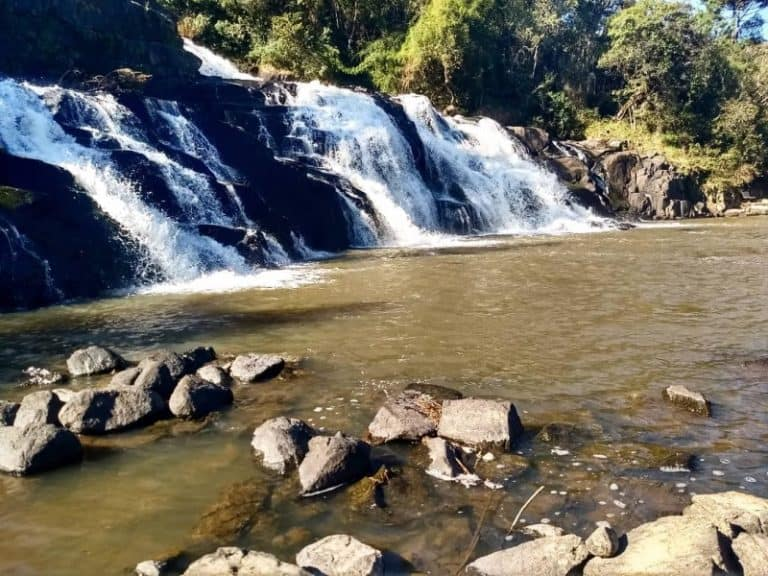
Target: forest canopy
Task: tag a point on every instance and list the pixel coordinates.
(691, 78)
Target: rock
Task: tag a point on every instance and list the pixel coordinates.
(542, 530)
(215, 375)
(239, 508)
(691, 401)
(37, 448)
(333, 461)
(195, 398)
(176, 364)
(41, 377)
(125, 377)
(444, 458)
(155, 376)
(341, 555)
(752, 552)
(731, 512)
(436, 391)
(38, 408)
(93, 360)
(149, 568)
(237, 562)
(480, 423)
(100, 411)
(555, 556)
(535, 139)
(283, 442)
(64, 394)
(8, 412)
(197, 358)
(411, 415)
(603, 542)
(672, 546)
(256, 367)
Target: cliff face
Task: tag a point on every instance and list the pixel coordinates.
(55, 38)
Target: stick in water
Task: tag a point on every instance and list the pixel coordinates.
(522, 509)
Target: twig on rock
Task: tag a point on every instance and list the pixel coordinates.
(522, 509)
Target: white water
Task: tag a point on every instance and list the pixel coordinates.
(214, 65)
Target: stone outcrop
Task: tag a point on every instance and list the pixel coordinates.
(603, 542)
(93, 360)
(341, 555)
(256, 367)
(237, 562)
(101, 411)
(480, 423)
(37, 448)
(215, 375)
(687, 399)
(282, 442)
(195, 398)
(38, 408)
(552, 556)
(752, 552)
(333, 461)
(732, 512)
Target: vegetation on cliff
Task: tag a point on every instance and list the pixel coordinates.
(691, 81)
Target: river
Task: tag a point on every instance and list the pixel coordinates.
(579, 329)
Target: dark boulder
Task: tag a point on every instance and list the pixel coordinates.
(195, 398)
(37, 448)
(333, 461)
(94, 411)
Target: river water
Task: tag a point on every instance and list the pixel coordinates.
(584, 330)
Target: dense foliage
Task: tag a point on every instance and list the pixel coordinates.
(691, 75)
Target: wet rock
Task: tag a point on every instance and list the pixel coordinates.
(437, 392)
(41, 377)
(368, 493)
(195, 398)
(125, 377)
(256, 367)
(38, 408)
(480, 423)
(731, 512)
(237, 562)
(341, 555)
(542, 530)
(691, 401)
(554, 556)
(642, 455)
(603, 542)
(444, 458)
(283, 442)
(8, 412)
(215, 375)
(150, 568)
(37, 448)
(333, 461)
(93, 360)
(175, 362)
(240, 507)
(197, 358)
(100, 411)
(752, 552)
(411, 415)
(672, 545)
(156, 377)
(567, 434)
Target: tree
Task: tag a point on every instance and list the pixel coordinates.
(742, 17)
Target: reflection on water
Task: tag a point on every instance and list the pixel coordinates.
(584, 330)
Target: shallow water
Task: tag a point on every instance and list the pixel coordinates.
(579, 329)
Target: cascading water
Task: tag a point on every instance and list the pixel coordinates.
(315, 169)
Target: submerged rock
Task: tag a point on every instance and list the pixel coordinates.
(195, 398)
(283, 442)
(256, 367)
(8, 412)
(411, 415)
(237, 562)
(553, 556)
(341, 555)
(239, 509)
(542, 530)
(673, 546)
(215, 375)
(38, 408)
(691, 401)
(603, 542)
(37, 448)
(93, 360)
(480, 423)
(100, 411)
(752, 553)
(732, 512)
(333, 461)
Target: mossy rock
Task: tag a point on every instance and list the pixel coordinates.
(241, 507)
